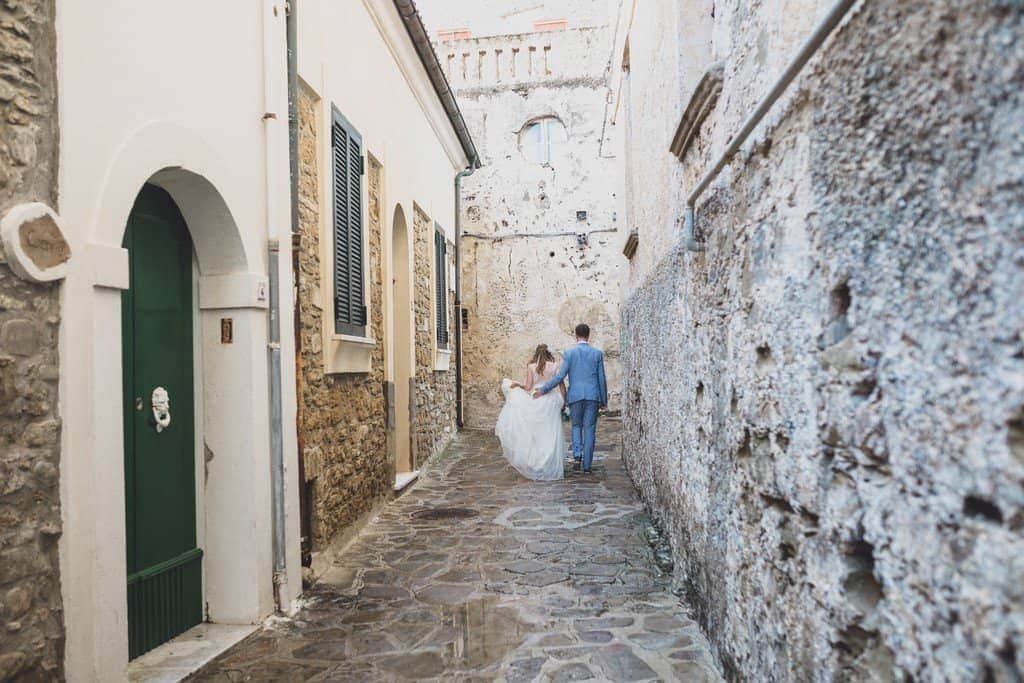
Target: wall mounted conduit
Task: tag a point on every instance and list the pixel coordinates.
(516, 235)
(807, 50)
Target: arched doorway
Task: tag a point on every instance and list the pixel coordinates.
(233, 490)
(401, 339)
(164, 561)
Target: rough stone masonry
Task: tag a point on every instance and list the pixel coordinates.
(539, 245)
(839, 455)
(31, 617)
(342, 433)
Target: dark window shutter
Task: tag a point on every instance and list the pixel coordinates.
(441, 288)
(347, 153)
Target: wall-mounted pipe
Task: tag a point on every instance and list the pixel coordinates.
(516, 235)
(272, 97)
(292, 30)
(807, 50)
(459, 417)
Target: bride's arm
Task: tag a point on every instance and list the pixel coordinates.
(529, 381)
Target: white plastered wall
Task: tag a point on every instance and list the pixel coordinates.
(149, 92)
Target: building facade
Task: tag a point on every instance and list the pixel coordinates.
(539, 241)
(837, 453)
(374, 265)
(31, 612)
(174, 187)
(148, 245)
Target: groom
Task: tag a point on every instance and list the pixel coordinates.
(588, 391)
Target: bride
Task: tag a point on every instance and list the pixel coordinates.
(531, 429)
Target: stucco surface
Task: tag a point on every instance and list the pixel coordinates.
(837, 455)
(31, 616)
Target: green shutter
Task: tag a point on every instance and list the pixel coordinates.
(441, 288)
(347, 158)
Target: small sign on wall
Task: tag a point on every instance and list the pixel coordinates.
(227, 331)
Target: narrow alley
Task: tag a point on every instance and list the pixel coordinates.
(270, 295)
(479, 574)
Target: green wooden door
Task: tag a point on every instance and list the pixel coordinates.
(164, 564)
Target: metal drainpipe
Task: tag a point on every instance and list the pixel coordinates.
(810, 46)
(459, 419)
(271, 122)
(291, 31)
(291, 21)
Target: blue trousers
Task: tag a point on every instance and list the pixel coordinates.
(584, 430)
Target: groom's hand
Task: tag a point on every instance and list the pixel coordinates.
(536, 393)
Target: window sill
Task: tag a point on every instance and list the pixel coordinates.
(442, 360)
(345, 354)
(353, 339)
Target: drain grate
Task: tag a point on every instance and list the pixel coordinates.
(444, 513)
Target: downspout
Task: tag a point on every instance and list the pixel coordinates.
(271, 98)
(807, 50)
(291, 30)
(459, 418)
(291, 23)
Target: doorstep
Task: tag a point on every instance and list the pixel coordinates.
(403, 479)
(187, 653)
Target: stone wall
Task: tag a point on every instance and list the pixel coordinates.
(526, 277)
(825, 410)
(433, 424)
(342, 431)
(31, 616)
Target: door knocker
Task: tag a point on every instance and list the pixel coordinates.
(161, 409)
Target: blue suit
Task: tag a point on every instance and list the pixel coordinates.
(583, 364)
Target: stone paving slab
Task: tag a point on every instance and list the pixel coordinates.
(533, 581)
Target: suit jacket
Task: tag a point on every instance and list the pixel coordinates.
(583, 364)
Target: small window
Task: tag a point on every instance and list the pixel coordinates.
(347, 161)
(441, 287)
(541, 140)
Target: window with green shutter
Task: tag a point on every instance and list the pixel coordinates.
(441, 287)
(347, 163)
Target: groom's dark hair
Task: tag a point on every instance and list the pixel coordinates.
(583, 331)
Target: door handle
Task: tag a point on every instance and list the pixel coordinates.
(161, 403)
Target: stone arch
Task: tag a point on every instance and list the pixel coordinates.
(232, 439)
(217, 240)
(181, 162)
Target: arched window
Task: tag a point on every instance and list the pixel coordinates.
(541, 139)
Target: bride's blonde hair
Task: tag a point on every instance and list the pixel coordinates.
(541, 357)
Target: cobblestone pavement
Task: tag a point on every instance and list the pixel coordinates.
(533, 581)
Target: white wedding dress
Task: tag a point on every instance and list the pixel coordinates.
(531, 429)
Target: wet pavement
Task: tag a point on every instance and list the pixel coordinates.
(478, 575)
